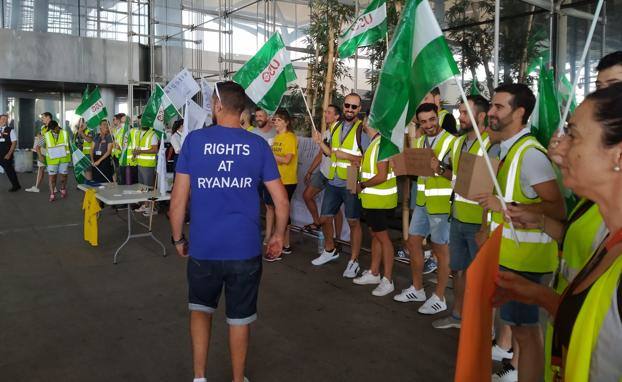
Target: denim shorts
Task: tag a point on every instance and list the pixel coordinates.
(462, 245)
(59, 168)
(423, 224)
(335, 196)
(516, 313)
(318, 180)
(240, 279)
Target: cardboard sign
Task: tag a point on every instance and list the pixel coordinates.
(412, 134)
(353, 178)
(473, 177)
(414, 162)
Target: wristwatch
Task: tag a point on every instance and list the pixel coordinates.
(182, 240)
(441, 169)
(362, 186)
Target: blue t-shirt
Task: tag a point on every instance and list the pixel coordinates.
(226, 167)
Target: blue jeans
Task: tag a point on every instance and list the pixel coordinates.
(516, 313)
(423, 224)
(240, 279)
(462, 245)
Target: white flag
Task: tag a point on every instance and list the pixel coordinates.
(181, 87)
(206, 90)
(161, 170)
(194, 118)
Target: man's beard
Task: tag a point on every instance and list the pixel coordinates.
(349, 119)
(261, 124)
(467, 129)
(500, 124)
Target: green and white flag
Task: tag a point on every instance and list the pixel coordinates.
(125, 133)
(266, 75)
(80, 162)
(563, 92)
(158, 111)
(418, 60)
(92, 109)
(368, 28)
(474, 89)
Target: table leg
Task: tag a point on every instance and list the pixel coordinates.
(129, 233)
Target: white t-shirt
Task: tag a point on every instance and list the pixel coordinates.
(325, 163)
(535, 169)
(176, 141)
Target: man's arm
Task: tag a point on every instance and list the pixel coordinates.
(11, 150)
(552, 204)
(281, 207)
(284, 159)
(380, 177)
(177, 210)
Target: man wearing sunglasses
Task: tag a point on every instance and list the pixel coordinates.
(345, 150)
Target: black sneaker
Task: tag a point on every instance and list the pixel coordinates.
(286, 251)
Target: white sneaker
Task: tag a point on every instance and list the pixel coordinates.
(498, 354)
(507, 374)
(325, 257)
(141, 209)
(352, 269)
(32, 189)
(148, 213)
(410, 295)
(384, 288)
(433, 305)
(367, 278)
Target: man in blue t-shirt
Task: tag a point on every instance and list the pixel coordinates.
(219, 170)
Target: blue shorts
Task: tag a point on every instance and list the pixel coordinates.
(240, 279)
(335, 196)
(516, 313)
(423, 224)
(318, 180)
(462, 245)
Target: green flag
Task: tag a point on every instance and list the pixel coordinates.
(80, 162)
(368, 28)
(546, 116)
(418, 61)
(266, 75)
(92, 109)
(474, 90)
(125, 133)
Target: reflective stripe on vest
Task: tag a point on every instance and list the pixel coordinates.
(86, 146)
(586, 332)
(118, 140)
(133, 143)
(435, 191)
(349, 146)
(537, 251)
(463, 209)
(441, 116)
(146, 160)
(383, 195)
(63, 140)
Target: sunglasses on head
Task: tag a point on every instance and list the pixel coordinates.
(350, 106)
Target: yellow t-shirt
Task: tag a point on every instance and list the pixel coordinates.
(284, 144)
(91, 209)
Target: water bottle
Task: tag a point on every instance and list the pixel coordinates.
(320, 242)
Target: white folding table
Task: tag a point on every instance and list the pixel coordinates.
(113, 194)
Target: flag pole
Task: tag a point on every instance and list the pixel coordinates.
(491, 172)
(588, 42)
(155, 190)
(495, 80)
(307, 106)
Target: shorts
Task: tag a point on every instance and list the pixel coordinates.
(40, 164)
(423, 224)
(318, 180)
(377, 219)
(146, 176)
(240, 278)
(290, 188)
(335, 196)
(462, 245)
(516, 313)
(59, 168)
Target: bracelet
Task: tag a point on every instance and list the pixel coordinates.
(182, 240)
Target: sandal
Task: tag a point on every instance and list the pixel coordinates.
(312, 227)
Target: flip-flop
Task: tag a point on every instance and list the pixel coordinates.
(311, 227)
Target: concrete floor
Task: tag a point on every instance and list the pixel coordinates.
(68, 314)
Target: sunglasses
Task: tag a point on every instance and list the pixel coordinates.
(350, 106)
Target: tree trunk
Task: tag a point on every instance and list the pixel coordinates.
(312, 89)
(489, 77)
(328, 81)
(523, 59)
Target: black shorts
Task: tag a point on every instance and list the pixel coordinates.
(290, 188)
(240, 279)
(377, 219)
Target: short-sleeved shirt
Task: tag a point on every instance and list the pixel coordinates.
(536, 167)
(226, 167)
(12, 135)
(100, 144)
(284, 144)
(268, 136)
